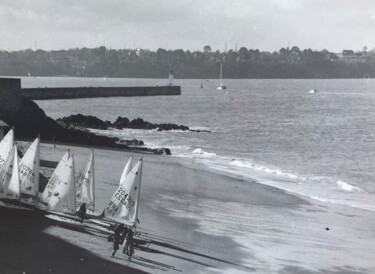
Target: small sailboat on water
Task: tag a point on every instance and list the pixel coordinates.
(221, 86)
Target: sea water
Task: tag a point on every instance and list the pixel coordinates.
(320, 145)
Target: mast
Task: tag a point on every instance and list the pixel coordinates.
(93, 181)
(221, 73)
(36, 175)
(139, 192)
(74, 185)
(18, 171)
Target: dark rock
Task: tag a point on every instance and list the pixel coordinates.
(167, 151)
(132, 143)
(139, 124)
(80, 120)
(121, 122)
(162, 127)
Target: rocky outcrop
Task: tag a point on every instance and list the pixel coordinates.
(79, 120)
(30, 121)
(88, 121)
(139, 123)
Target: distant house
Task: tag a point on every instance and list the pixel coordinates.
(349, 56)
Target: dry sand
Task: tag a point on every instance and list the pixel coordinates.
(194, 221)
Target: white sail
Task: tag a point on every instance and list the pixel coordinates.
(50, 187)
(7, 173)
(6, 145)
(85, 184)
(63, 195)
(221, 86)
(126, 170)
(29, 169)
(12, 189)
(123, 206)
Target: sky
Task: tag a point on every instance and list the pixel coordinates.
(267, 25)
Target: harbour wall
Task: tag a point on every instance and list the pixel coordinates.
(91, 92)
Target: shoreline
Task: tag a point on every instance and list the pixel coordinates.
(191, 218)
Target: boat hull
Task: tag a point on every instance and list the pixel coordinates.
(65, 221)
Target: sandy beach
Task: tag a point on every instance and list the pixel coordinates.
(194, 221)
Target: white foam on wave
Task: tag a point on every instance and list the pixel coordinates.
(319, 188)
(203, 154)
(200, 128)
(349, 187)
(250, 165)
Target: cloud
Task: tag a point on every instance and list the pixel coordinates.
(187, 24)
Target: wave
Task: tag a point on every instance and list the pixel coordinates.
(349, 187)
(203, 154)
(248, 164)
(324, 189)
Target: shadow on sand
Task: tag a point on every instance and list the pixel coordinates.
(25, 248)
(151, 244)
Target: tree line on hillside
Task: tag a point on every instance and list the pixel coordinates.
(143, 63)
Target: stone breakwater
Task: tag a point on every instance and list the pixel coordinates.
(92, 92)
(29, 121)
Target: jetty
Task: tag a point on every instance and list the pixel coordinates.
(50, 93)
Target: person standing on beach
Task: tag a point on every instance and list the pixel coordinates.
(82, 212)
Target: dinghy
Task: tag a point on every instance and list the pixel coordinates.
(123, 206)
(85, 187)
(29, 174)
(10, 192)
(11, 184)
(59, 196)
(6, 146)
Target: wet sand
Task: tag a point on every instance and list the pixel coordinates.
(195, 221)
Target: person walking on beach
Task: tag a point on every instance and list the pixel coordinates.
(116, 243)
(82, 212)
(129, 248)
(119, 230)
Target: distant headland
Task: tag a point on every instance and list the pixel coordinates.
(289, 62)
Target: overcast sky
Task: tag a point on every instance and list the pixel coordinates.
(187, 24)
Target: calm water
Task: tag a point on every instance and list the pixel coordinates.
(321, 145)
